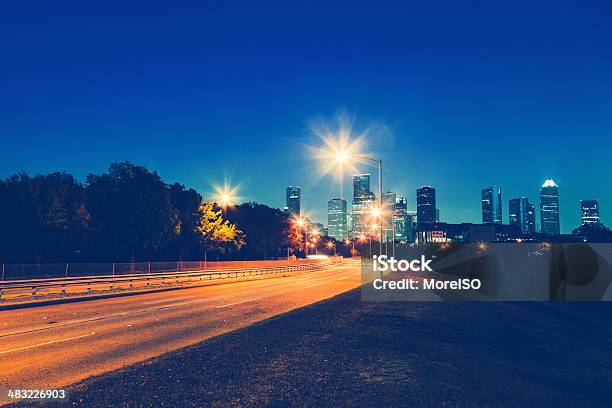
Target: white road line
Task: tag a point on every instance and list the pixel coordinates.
(106, 317)
(312, 286)
(167, 300)
(237, 303)
(289, 286)
(46, 343)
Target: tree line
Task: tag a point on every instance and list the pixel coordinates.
(129, 213)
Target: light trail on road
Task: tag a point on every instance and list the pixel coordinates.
(58, 345)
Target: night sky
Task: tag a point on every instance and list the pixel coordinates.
(457, 97)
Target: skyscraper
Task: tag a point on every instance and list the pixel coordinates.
(361, 186)
(522, 214)
(491, 205)
(403, 223)
(549, 208)
(293, 200)
(388, 216)
(590, 211)
(426, 205)
(411, 224)
(363, 199)
(530, 218)
(336, 218)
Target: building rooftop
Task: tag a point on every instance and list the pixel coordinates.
(550, 183)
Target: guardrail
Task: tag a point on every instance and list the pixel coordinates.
(110, 282)
(72, 269)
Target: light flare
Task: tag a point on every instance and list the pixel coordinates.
(341, 149)
(226, 196)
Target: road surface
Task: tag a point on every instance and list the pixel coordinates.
(54, 346)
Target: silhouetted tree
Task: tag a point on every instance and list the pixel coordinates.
(131, 213)
(43, 218)
(594, 232)
(123, 214)
(186, 204)
(266, 230)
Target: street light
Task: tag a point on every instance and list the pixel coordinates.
(331, 245)
(362, 238)
(384, 214)
(348, 242)
(339, 150)
(301, 223)
(226, 196)
(343, 156)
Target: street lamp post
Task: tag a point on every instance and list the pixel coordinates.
(348, 242)
(343, 155)
(330, 245)
(380, 232)
(301, 223)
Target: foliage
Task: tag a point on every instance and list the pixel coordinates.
(42, 217)
(215, 233)
(266, 230)
(123, 214)
(295, 239)
(132, 214)
(594, 232)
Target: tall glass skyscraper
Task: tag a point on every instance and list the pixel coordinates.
(590, 211)
(363, 199)
(426, 205)
(336, 218)
(402, 221)
(549, 208)
(293, 200)
(388, 205)
(522, 214)
(531, 216)
(492, 205)
(361, 186)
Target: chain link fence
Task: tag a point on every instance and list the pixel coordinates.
(75, 269)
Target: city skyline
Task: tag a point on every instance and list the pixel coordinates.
(521, 212)
(202, 95)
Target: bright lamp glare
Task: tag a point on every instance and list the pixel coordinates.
(226, 196)
(342, 156)
(341, 149)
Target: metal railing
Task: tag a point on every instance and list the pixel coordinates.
(110, 282)
(72, 269)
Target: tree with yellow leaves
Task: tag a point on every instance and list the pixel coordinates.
(216, 233)
(295, 238)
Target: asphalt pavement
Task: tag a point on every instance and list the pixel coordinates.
(57, 345)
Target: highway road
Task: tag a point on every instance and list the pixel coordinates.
(58, 345)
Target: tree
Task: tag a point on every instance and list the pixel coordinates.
(132, 215)
(43, 218)
(594, 233)
(186, 204)
(295, 239)
(266, 230)
(214, 233)
(126, 213)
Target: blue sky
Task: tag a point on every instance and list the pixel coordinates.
(469, 95)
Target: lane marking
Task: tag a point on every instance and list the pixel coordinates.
(290, 284)
(167, 300)
(47, 342)
(95, 319)
(237, 303)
